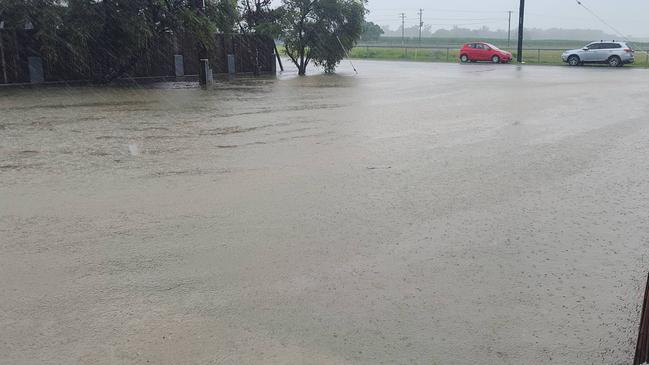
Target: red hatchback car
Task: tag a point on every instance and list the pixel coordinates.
(480, 51)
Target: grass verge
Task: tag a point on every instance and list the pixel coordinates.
(532, 56)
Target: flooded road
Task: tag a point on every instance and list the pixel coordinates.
(413, 214)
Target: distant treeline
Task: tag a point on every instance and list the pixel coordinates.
(486, 32)
(456, 41)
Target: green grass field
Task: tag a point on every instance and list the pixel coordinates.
(530, 56)
(502, 43)
(447, 50)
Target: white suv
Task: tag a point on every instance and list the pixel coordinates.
(615, 54)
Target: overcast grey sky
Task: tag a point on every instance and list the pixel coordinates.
(631, 17)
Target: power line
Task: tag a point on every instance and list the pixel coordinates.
(602, 20)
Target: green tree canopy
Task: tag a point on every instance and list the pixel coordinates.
(320, 30)
(123, 31)
(45, 17)
(260, 17)
(371, 32)
(116, 33)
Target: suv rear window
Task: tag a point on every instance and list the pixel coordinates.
(611, 45)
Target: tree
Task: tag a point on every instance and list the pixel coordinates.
(259, 17)
(320, 30)
(371, 32)
(223, 14)
(110, 37)
(45, 17)
(133, 29)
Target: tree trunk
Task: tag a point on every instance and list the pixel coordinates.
(302, 66)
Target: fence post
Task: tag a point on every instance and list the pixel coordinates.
(232, 66)
(203, 72)
(36, 75)
(179, 65)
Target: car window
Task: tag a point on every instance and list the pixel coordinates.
(611, 45)
(595, 46)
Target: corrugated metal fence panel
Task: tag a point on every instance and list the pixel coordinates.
(253, 54)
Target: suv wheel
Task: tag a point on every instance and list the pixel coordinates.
(615, 61)
(464, 58)
(573, 60)
(495, 59)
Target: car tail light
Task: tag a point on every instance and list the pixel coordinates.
(628, 50)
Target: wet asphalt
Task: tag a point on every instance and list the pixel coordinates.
(411, 214)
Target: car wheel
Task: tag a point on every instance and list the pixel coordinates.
(464, 58)
(495, 59)
(614, 61)
(574, 60)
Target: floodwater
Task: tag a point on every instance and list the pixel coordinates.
(413, 214)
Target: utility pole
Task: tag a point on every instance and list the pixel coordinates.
(521, 27)
(509, 29)
(421, 23)
(403, 29)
